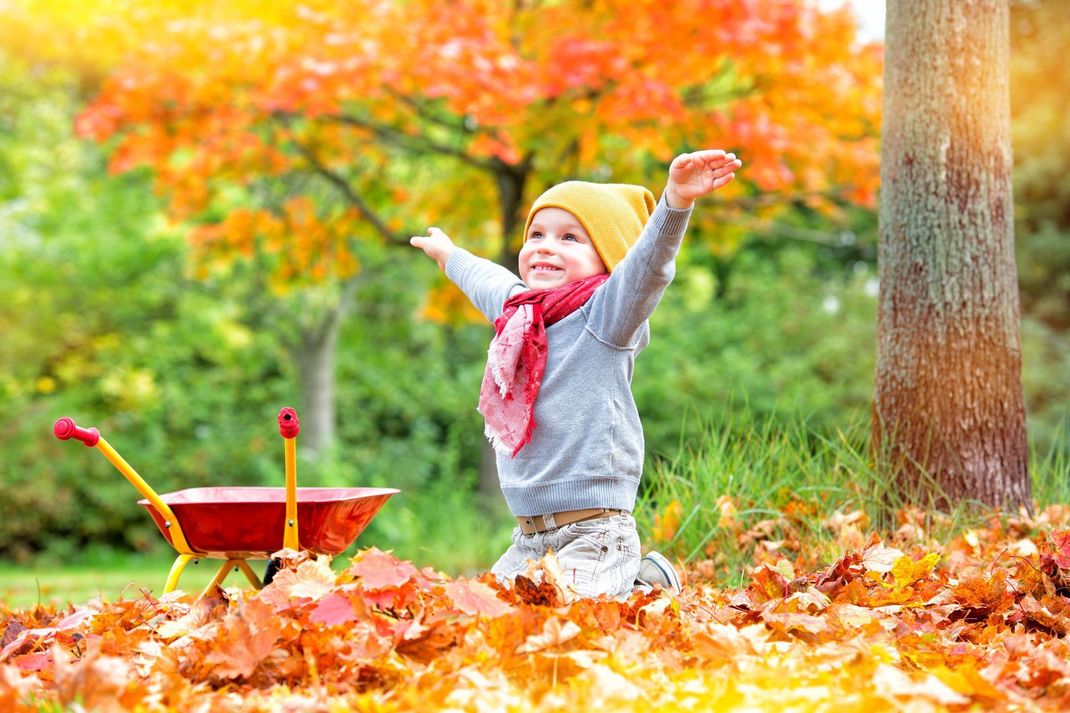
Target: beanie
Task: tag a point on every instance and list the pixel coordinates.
(613, 214)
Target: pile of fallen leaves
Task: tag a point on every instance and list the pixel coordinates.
(978, 623)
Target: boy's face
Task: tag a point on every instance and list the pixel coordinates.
(557, 251)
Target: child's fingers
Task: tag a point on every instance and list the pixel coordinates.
(728, 160)
(709, 155)
(723, 181)
(717, 159)
(728, 167)
(432, 234)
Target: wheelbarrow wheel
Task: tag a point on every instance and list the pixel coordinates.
(271, 569)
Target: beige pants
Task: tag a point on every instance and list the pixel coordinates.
(597, 556)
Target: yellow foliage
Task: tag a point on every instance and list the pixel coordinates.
(667, 522)
(907, 571)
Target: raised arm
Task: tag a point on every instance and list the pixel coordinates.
(485, 283)
(637, 284)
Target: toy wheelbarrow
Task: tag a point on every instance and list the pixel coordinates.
(236, 524)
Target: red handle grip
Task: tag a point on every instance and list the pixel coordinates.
(289, 424)
(65, 429)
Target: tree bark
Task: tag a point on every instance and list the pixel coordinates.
(510, 181)
(315, 359)
(315, 351)
(948, 408)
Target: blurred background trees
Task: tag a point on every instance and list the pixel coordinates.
(1040, 103)
(289, 142)
(196, 199)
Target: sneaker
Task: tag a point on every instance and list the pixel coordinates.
(655, 569)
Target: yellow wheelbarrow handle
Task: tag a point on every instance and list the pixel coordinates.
(65, 429)
(289, 427)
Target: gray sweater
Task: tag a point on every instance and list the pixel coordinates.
(587, 447)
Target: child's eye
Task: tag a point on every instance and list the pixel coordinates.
(570, 236)
(535, 236)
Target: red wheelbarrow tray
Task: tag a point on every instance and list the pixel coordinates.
(248, 522)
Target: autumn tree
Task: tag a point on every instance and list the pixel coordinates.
(948, 384)
(298, 140)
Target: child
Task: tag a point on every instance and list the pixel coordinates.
(556, 395)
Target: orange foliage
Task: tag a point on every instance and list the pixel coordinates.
(214, 96)
(962, 627)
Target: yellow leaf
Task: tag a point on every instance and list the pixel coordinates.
(906, 570)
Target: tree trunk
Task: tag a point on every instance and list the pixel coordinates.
(315, 359)
(948, 407)
(510, 181)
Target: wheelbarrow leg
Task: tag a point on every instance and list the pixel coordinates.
(224, 570)
(250, 574)
(220, 575)
(176, 571)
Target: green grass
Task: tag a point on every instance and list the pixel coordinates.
(1050, 470)
(793, 479)
(108, 576)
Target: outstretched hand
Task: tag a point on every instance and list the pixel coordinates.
(436, 244)
(693, 175)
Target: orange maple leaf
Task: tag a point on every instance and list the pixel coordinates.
(476, 599)
(337, 608)
(245, 639)
(1061, 541)
(377, 570)
(768, 584)
(984, 595)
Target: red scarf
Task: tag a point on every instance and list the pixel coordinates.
(516, 359)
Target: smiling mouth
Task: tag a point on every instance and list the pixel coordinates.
(545, 268)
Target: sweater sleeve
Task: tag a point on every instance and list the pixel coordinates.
(628, 298)
(485, 283)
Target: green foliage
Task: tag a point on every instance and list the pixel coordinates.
(407, 419)
(785, 336)
(101, 324)
(184, 378)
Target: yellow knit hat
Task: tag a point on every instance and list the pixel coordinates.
(613, 214)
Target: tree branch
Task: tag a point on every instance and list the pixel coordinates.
(419, 143)
(424, 112)
(351, 195)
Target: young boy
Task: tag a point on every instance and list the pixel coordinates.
(556, 395)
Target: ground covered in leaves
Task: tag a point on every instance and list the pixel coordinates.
(978, 623)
